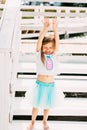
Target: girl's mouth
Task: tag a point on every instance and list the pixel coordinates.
(47, 53)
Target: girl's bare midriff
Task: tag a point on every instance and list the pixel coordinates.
(46, 78)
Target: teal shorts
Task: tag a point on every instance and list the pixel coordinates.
(44, 95)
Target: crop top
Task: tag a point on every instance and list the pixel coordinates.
(50, 67)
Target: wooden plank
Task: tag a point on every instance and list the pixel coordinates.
(69, 29)
(9, 37)
(75, 17)
(60, 111)
(5, 70)
(7, 25)
(62, 125)
(51, 11)
(65, 1)
(66, 85)
(65, 47)
(63, 68)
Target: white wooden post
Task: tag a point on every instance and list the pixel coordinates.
(9, 43)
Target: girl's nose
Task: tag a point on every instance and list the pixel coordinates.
(47, 48)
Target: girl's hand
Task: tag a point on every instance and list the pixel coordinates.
(46, 23)
(55, 23)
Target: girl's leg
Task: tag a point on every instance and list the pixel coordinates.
(34, 115)
(46, 112)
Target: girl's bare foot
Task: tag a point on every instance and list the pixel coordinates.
(31, 126)
(45, 125)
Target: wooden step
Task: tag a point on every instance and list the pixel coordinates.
(74, 107)
(54, 125)
(66, 85)
(73, 68)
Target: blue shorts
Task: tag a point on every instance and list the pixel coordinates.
(44, 95)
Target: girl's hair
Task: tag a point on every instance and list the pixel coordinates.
(46, 40)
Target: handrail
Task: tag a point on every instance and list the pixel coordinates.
(49, 11)
(71, 19)
(3, 13)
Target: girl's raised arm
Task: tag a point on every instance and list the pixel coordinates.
(46, 24)
(56, 35)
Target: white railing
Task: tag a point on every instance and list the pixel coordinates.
(54, 11)
(9, 44)
(71, 19)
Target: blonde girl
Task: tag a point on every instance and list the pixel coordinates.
(46, 49)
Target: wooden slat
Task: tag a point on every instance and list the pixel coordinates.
(62, 125)
(66, 85)
(74, 108)
(51, 11)
(65, 47)
(73, 68)
(71, 19)
(65, 1)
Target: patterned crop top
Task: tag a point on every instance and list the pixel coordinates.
(50, 67)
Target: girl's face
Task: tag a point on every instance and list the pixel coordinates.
(48, 48)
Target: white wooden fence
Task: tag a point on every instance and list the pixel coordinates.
(71, 19)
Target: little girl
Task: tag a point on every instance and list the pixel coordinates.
(46, 70)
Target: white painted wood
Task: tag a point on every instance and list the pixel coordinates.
(75, 68)
(5, 75)
(66, 12)
(71, 19)
(70, 107)
(64, 58)
(73, 107)
(7, 29)
(1, 5)
(65, 1)
(70, 28)
(65, 46)
(9, 42)
(54, 125)
(66, 85)
(60, 11)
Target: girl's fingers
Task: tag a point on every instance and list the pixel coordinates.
(46, 22)
(54, 20)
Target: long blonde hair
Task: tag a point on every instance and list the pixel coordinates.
(46, 40)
